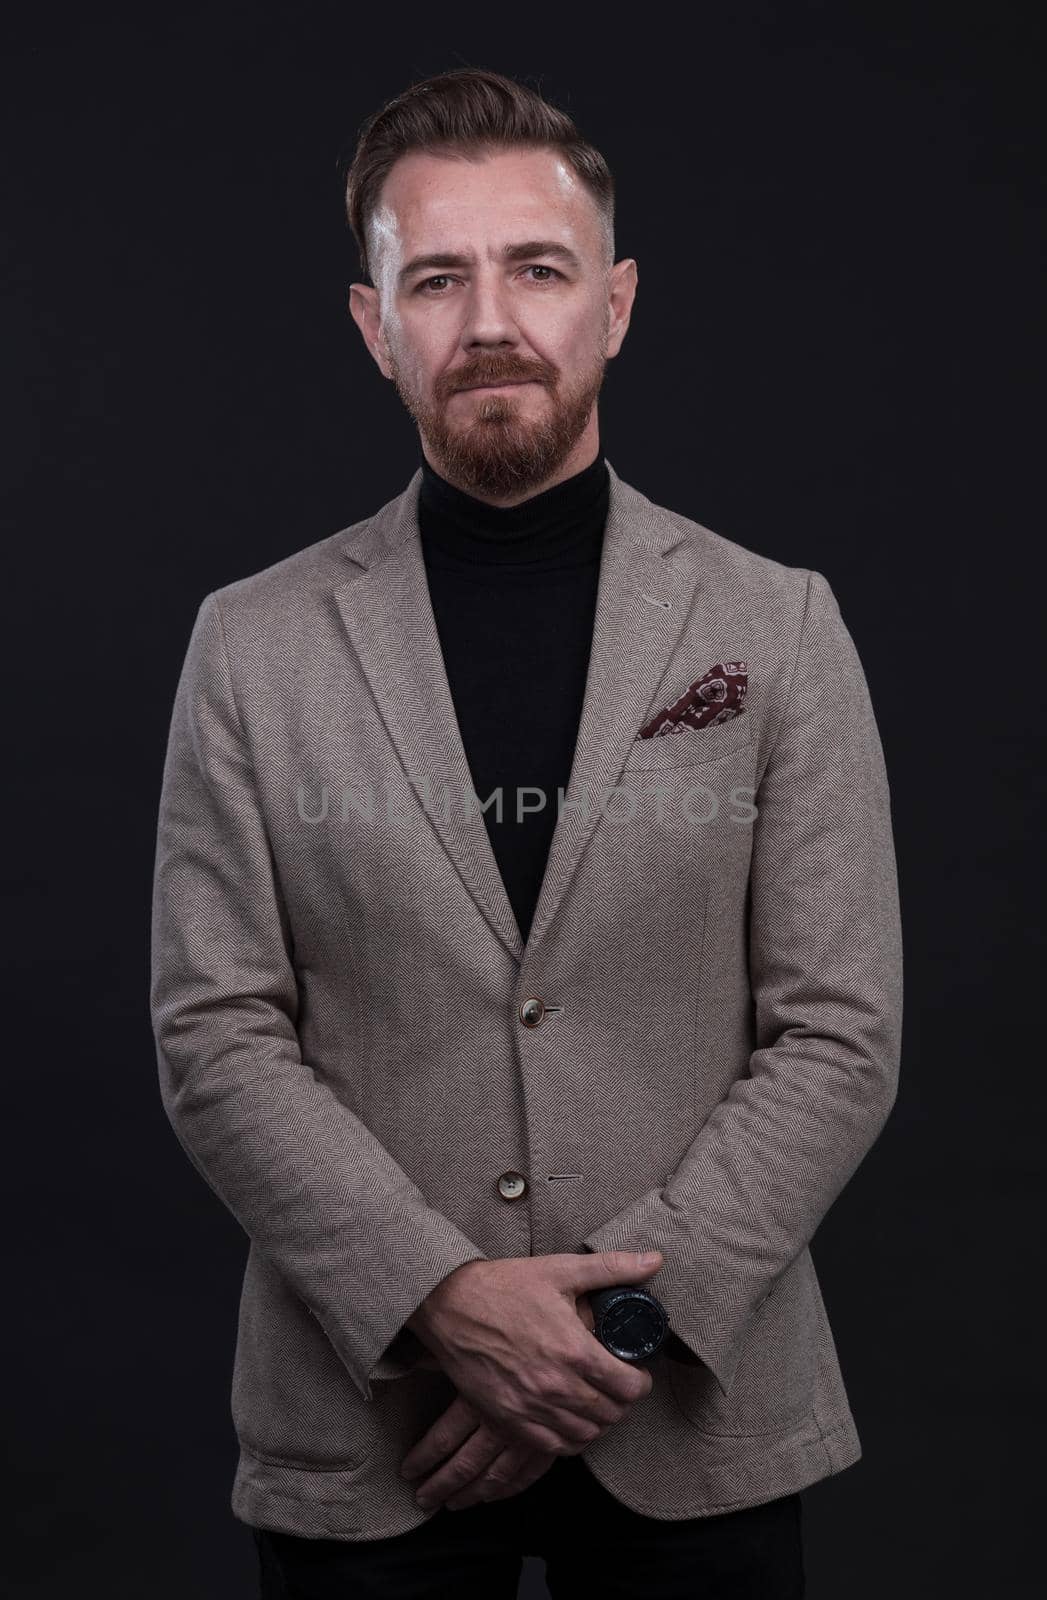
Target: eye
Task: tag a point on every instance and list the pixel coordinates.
(425, 288)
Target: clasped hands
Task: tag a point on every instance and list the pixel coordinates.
(516, 1337)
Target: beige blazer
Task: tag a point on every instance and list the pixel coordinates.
(338, 995)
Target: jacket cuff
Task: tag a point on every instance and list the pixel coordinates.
(709, 1322)
(673, 1347)
(400, 1357)
(385, 1348)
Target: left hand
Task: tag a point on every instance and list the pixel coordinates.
(462, 1461)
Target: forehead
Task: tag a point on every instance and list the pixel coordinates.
(432, 202)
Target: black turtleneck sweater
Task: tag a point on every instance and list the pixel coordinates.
(513, 591)
(514, 596)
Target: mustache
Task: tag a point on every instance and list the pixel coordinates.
(478, 377)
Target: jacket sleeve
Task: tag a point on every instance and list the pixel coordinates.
(825, 956)
(307, 1181)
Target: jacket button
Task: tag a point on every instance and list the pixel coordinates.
(531, 1012)
(511, 1185)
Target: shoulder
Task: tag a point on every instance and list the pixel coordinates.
(292, 585)
(746, 580)
(287, 596)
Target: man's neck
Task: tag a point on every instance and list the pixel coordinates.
(581, 457)
(558, 527)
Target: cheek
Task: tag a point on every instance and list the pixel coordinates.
(556, 328)
(580, 344)
(418, 369)
(422, 347)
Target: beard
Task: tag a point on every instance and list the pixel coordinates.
(497, 451)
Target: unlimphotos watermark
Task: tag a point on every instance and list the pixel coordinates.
(697, 803)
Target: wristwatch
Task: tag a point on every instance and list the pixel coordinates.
(629, 1320)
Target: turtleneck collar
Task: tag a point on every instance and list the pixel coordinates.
(562, 526)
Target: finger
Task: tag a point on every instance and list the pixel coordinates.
(563, 1420)
(558, 1426)
(540, 1463)
(608, 1379)
(600, 1269)
(577, 1422)
(468, 1462)
(585, 1312)
(536, 1436)
(509, 1473)
(567, 1435)
(448, 1432)
(624, 1382)
(584, 1396)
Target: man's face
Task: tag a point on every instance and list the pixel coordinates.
(498, 359)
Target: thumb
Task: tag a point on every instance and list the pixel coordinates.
(602, 1268)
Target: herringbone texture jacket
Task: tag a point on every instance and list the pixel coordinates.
(337, 983)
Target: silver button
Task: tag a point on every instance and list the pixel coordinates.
(511, 1185)
(532, 1011)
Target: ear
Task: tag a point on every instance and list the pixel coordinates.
(624, 278)
(364, 309)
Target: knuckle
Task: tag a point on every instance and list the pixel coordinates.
(513, 1410)
(530, 1435)
(538, 1384)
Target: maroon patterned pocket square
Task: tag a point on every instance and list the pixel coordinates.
(716, 696)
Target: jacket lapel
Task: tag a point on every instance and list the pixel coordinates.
(642, 601)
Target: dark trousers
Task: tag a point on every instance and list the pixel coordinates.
(590, 1542)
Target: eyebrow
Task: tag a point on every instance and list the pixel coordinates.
(512, 252)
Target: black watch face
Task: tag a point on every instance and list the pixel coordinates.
(632, 1329)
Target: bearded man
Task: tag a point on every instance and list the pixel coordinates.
(526, 948)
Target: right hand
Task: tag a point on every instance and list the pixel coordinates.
(511, 1335)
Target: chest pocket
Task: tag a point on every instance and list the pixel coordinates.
(690, 747)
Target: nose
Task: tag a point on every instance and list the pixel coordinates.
(488, 316)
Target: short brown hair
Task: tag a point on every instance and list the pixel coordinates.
(467, 112)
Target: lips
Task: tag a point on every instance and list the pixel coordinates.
(505, 383)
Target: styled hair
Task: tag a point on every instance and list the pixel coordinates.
(467, 113)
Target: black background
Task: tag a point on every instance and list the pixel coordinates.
(834, 357)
